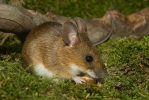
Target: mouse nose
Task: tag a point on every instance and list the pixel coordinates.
(100, 71)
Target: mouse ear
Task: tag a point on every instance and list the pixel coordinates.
(69, 34)
(82, 28)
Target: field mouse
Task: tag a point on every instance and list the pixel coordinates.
(63, 51)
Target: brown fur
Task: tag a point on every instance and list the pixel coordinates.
(45, 45)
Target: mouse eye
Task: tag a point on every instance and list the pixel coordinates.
(89, 58)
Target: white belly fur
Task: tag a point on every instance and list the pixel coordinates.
(42, 71)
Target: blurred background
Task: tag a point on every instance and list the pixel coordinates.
(85, 8)
(81, 8)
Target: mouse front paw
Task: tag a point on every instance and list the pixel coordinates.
(78, 80)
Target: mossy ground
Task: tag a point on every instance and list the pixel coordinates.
(126, 59)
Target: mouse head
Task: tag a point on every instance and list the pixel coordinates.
(79, 52)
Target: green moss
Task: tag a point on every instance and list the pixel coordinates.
(128, 66)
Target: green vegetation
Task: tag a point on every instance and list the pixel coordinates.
(127, 60)
(85, 8)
